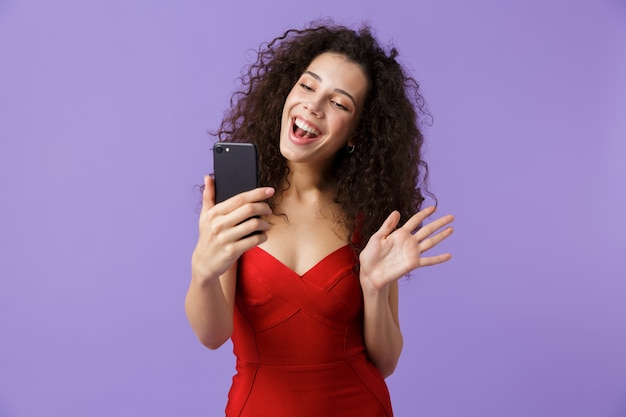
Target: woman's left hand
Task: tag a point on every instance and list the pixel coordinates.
(392, 253)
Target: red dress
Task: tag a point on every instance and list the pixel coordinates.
(299, 341)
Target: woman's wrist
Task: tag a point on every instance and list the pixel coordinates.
(370, 284)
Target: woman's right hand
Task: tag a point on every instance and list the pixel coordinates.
(228, 229)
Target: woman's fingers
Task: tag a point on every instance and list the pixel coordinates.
(242, 229)
(430, 236)
(429, 229)
(224, 219)
(418, 218)
(208, 194)
(236, 209)
(252, 196)
(246, 238)
(229, 228)
(248, 211)
(388, 225)
(434, 260)
(431, 242)
(432, 227)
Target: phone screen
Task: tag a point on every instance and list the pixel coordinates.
(235, 166)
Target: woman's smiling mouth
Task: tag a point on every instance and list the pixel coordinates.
(303, 130)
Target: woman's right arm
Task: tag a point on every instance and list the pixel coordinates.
(225, 233)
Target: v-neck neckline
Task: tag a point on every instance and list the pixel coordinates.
(317, 265)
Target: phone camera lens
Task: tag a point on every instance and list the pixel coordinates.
(219, 149)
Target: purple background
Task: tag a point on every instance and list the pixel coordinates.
(104, 109)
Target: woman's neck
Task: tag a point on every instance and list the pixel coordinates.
(309, 183)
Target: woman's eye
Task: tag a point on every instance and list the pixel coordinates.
(306, 87)
(340, 106)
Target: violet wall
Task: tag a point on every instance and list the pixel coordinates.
(104, 109)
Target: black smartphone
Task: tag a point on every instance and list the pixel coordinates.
(235, 168)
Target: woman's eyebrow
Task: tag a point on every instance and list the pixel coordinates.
(338, 90)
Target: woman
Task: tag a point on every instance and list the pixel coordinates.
(311, 300)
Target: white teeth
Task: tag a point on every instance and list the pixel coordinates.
(306, 127)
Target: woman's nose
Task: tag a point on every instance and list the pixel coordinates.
(313, 105)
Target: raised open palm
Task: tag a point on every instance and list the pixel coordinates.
(392, 253)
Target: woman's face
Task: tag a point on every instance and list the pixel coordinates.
(322, 109)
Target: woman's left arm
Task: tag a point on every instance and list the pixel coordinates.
(383, 339)
(389, 255)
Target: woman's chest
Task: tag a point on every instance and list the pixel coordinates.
(300, 242)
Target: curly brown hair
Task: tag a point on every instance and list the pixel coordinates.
(386, 172)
